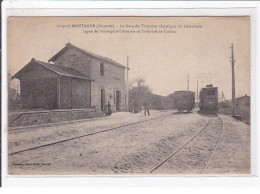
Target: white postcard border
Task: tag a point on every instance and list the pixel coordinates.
(132, 9)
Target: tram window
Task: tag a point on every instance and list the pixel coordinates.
(211, 92)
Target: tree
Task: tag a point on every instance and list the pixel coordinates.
(13, 93)
(137, 93)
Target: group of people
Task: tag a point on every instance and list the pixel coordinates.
(146, 106)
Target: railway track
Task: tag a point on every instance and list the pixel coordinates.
(187, 142)
(85, 135)
(219, 140)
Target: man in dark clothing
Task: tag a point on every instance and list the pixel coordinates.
(109, 108)
(146, 107)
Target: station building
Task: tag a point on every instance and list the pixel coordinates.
(73, 79)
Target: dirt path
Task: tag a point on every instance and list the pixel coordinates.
(37, 136)
(233, 153)
(193, 158)
(133, 149)
(138, 148)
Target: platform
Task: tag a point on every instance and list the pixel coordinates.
(37, 117)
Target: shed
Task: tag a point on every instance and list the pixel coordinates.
(49, 86)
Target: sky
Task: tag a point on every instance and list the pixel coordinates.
(164, 60)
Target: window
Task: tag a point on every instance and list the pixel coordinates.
(211, 92)
(101, 68)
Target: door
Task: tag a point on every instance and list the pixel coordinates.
(118, 100)
(103, 99)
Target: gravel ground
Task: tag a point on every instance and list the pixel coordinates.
(233, 153)
(25, 138)
(135, 149)
(132, 149)
(193, 158)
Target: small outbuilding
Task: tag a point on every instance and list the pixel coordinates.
(49, 86)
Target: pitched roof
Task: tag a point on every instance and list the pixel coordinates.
(60, 70)
(69, 45)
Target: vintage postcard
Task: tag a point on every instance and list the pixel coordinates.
(129, 95)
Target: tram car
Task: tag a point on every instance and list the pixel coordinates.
(209, 99)
(184, 100)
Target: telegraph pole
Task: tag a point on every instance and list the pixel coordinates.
(127, 95)
(224, 100)
(232, 61)
(197, 93)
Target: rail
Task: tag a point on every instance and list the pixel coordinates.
(85, 135)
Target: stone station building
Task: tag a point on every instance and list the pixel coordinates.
(75, 79)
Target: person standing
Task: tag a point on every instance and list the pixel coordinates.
(109, 108)
(146, 107)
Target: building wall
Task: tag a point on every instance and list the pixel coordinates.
(112, 81)
(81, 93)
(39, 93)
(37, 71)
(77, 60)
(243, 101)
(75, 93)
(65, 93)
(38, 88)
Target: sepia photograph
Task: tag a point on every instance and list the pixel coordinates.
(129, 95)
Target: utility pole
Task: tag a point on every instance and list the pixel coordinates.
(197, 93)
(188, 83)
(224, 100)
(232, 61)
(127, 87)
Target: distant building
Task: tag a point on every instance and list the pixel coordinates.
(243, 101)
(76, 79)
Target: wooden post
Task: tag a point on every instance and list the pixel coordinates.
(71, 94)
(197, 93)
(58, 92)
(127, 92)
(232, 61)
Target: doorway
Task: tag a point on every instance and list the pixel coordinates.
(118, 100)
(103, 99)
